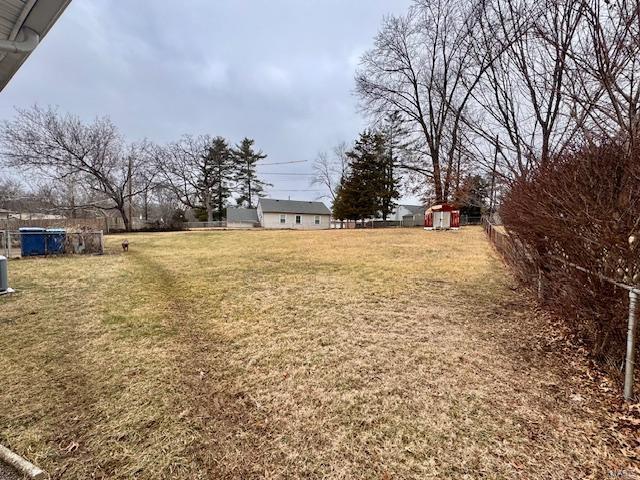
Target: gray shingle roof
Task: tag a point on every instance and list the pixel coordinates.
(415, 209)
(242, 215)
(270, 205)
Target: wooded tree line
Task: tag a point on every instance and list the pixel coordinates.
(90, 166)
(502, 86)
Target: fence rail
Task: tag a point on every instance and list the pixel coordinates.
(470, 220)
(219, 224)
(67, 223)
(507, 246)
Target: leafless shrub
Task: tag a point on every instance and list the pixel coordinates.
(581, 209)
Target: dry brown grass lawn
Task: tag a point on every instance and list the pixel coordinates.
(335, 354)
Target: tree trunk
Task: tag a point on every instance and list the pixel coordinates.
(125, 219)
(220, 204)
(437, 180)
(146, 206)
(493, 178)
(207, 204)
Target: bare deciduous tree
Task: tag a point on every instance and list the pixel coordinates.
(328, 170)
(192, 168)
(62, 146)
(607, 69)
(425, 66)
(524, 93)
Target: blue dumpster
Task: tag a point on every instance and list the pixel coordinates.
(33, 241)
(55, 240)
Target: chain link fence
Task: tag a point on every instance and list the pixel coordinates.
(75, 243)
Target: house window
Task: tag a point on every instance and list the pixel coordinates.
(298, 219)
(316, 220)
(283, 218)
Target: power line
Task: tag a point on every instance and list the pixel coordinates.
(288, 174)
(283, 163)
(296, 190)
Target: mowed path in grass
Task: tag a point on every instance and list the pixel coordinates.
(254, 354)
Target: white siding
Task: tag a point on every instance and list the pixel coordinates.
(272, 220)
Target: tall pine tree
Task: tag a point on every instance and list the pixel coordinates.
(223, 171)
(248, 185)
(371, 187)
(394, 137)
(215, 172)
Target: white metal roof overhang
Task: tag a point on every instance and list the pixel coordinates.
(23, 24)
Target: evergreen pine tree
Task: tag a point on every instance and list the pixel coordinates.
(222, 166)
(360, 190)
(394, 135)
(248, 185)
(371, 186)
(215, 171)
(339, 207)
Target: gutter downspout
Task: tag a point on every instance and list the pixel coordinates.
(30, 41)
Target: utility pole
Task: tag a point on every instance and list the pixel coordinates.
(493, 177)
(130, 178)
(249, 181)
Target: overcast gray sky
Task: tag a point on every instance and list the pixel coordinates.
(278, 71)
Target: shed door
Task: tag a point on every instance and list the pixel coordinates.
(437, 220)
(428, 219)
(455, 219)
(446, 220)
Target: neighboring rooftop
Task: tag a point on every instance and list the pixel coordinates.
(242, 215)
(270, 205)
(415, 209)
(23, 25)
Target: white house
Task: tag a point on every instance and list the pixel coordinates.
(293, 214)
(407, 215)
(242, 217)
(403, 211)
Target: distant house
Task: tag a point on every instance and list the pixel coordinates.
(410, 215)
(293, 214)
(37, 216)
(406, 215)
(242, 217)
(5, 214)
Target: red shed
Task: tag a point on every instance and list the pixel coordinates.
(443, 216)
